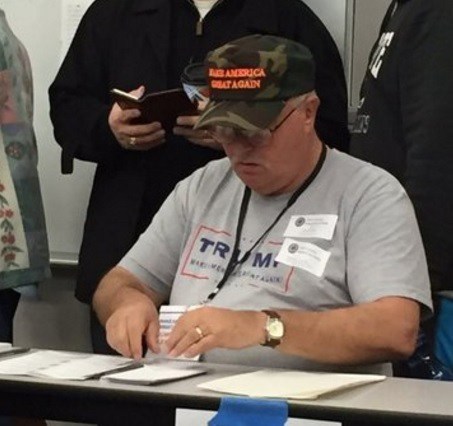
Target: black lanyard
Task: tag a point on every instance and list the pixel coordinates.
(234, 259)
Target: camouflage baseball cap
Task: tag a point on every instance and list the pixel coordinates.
(251, 78)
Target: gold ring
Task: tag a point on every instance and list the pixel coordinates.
(200, 332)
(132, 140)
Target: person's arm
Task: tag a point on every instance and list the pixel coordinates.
(378, 331)
(426, 85)
(129, 311)
(79, 100)
(128, 297)
(184, 127)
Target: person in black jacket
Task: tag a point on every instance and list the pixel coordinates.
(405, 125)
(131, 43)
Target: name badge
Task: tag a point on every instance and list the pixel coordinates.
(312, 226)
(306, 256)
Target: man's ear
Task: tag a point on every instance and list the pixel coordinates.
(311, 105)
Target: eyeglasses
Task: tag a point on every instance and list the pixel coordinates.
(226, 134)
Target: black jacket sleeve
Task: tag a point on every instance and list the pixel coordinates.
(79, 101)
(426, 88)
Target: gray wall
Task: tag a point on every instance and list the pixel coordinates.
(364, 28)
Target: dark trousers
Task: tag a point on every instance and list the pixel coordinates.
(98, 338)
(9, 300)
(405, 368)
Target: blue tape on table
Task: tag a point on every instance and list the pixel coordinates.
(250, 412)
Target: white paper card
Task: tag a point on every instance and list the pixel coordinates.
(29, 363)
(168, 315)
(303, 255)
(83, 368)
(312, 226)
(152, 374)
(288, 384)
(61, 365)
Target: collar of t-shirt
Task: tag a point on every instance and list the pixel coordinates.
(204, 6)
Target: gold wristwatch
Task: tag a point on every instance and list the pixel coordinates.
(275, 329)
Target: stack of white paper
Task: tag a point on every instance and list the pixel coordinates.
(287, 384)
(80, 366)
(61, 365)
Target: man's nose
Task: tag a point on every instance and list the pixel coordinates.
(242, 144)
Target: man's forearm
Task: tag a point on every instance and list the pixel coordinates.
(372, 332)
(118, 288)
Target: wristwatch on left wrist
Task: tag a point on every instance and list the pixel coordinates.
(275, 329)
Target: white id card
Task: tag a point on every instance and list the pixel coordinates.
(168, 315)
(303, 255)
(312, 226)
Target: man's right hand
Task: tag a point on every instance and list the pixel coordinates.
(130, 324)
(129, 311)
(138, 137)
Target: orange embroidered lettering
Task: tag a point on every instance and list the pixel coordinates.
(216, 72)
(242, 73)
(220, 84)
(248, 84)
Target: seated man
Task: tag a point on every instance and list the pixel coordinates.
(299, 256)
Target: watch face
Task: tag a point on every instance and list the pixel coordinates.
(276, 329)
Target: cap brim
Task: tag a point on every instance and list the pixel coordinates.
(240, 115)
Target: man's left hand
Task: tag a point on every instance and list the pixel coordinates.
(184, 127)
(206, 328)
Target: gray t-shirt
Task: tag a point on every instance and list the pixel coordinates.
(350, 238)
